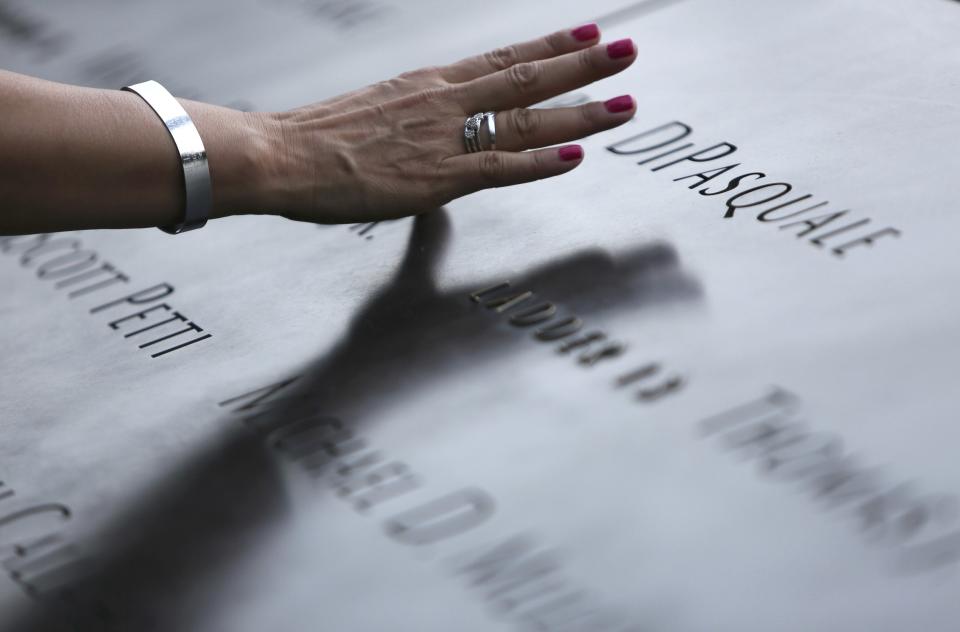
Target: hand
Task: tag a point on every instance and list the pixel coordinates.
(78, 158)
(396, 148)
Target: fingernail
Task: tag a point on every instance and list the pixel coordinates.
(586, 32)
(620, 48)
(570, 152)
(619, 104)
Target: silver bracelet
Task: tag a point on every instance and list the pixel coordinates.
(193, 157)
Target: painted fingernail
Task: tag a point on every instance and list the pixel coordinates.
(586, 32)
(619, 104)
(620, 48)
(570, 152)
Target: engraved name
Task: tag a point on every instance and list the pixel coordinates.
(142, 316)
(667, 145)
(921, 528)
(37, 555)
(523, 309)
(518, 580)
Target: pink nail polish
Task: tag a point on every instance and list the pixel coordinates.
(620, 48)
(619, 104)
(570, 152)
(586, 32)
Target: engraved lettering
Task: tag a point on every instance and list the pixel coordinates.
(768, 431)
(653, 393)
(593, 336)
(559, 329)
(666, 137)
(71, 263)
(818, 240)
(610, 350)
(385, 483)
(866, 240)
(704, 155)
(477, 296)
(734, 183)
(815, 223)
(181, 345)
(106, 267)
(441, 519)
(148, 295)
(117, 278)
(503, 303)
(533, 315)
(31, 520)
(9, 244)
(765, 216)
(31, 254)
(732, 208)
(114, 324)
(665, 153)
(684, 131)
(706, 176)
(258, 397)
(190, 327)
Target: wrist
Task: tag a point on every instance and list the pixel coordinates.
(267, 168)
(239, 147)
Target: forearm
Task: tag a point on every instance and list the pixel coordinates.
(73, 158)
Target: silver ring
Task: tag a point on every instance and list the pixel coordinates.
(490, 119)
(471, 132)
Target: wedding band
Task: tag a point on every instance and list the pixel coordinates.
(471, 132)
(490, 119)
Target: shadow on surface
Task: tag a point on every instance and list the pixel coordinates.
(163, 556)
(412, 333)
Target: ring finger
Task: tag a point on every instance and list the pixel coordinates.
(524, 128)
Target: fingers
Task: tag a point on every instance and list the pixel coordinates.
(529, 82)
(558, 43)
(523, 128)
(486, 169)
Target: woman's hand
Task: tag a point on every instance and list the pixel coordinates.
(396, 148)
(75, 158)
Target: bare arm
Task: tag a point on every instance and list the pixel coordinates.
(73, 157)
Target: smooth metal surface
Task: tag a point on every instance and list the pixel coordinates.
(679, 421)
(193, 155)
(490, 119)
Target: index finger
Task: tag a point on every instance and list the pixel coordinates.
(558, 43)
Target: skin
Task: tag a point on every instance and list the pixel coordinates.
(76, 158)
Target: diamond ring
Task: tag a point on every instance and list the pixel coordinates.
(471, 132)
